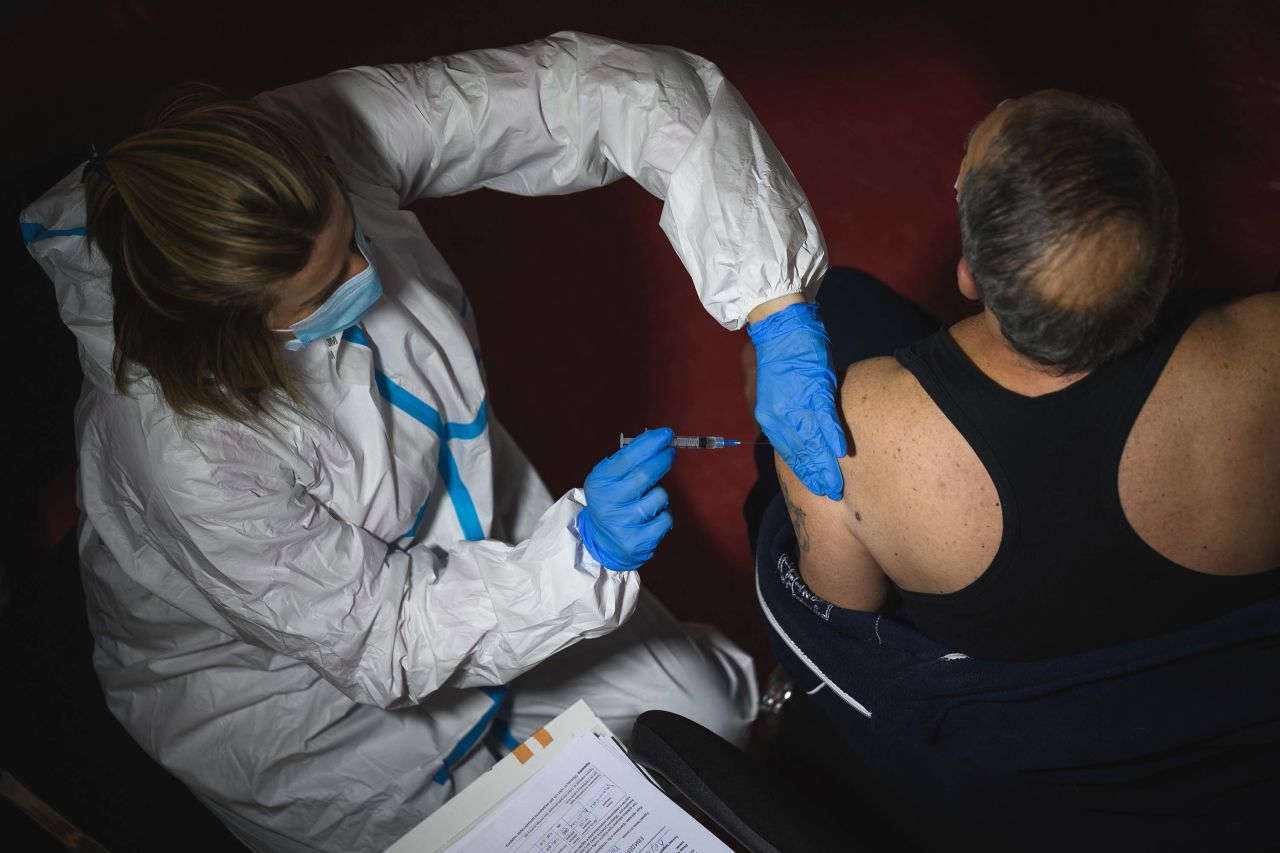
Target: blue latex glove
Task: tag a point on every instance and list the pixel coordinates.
(796, 396)
(626, 516)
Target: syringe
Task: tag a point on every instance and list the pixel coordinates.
(690, 442)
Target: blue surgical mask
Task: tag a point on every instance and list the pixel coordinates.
(345, 308)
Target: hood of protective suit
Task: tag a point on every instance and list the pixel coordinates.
(53, 229)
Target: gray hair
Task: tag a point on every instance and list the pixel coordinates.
(1069, 226)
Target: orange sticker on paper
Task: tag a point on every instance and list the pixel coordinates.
(522, 753)
(543, 737)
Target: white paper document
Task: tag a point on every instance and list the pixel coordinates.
(588, 798)
(485, 794)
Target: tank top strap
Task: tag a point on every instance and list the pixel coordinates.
(1179, 312)
(1153, 354)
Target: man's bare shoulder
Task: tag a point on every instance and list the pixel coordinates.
(1247, 325)
(1199, 478)
(880, 394)
(1231, 355)
(1257, 316)
(918, 497)
(882, 371)
(1253, 325)
(898, 433)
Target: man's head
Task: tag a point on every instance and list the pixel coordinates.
(1068, 223)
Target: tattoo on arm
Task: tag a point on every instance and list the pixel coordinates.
(797, 519)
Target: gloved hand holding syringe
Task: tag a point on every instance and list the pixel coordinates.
(626, 514)
(696, 442)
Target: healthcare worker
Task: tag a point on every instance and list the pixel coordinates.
(321, 576)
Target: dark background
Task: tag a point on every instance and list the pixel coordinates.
(589, 323)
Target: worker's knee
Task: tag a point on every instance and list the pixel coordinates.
(652, 662)
(712, 682)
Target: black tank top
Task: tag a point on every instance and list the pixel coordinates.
(1070, 573)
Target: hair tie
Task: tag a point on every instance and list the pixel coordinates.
(97, 165)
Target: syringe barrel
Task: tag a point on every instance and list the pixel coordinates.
(686, 442)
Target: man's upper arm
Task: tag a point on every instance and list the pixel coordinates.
(833, 562)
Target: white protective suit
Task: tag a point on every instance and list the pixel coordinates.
(314, 625)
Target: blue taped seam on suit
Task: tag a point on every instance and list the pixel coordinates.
(458, 494)
(33, 232)
(462, 506)
(420, 411)
(460, 750)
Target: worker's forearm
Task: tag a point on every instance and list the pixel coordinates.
(773, 306)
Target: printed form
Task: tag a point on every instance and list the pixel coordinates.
(589, 798)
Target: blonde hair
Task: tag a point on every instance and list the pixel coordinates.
(200, 215)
